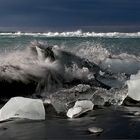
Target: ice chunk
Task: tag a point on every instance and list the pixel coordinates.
(112, 97)
(101, 73)
(62, 99)
(85, 104)
(79, 108)
(134, 87)
(95, 130)
(74, 112)
(19, 107)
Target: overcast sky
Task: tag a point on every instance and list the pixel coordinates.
(68, 13)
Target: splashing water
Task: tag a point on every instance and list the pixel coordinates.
(94, 52)
(52, 68)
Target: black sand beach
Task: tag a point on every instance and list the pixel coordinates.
(117, 123)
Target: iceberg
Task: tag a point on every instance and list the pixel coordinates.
(20, 107)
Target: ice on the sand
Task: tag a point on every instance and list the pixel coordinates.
(79, 108)
(134, 87)
(95, 130)
(74, 112)
(20, 107)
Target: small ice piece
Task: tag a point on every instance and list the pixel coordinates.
(47, 101)
(74, 112)
(136, 113)
(101, 73)
(95, 130)
(79, 108)
(20, 107)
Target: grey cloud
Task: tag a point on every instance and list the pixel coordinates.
(68, 12)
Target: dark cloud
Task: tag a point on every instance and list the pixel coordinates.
(53, 13)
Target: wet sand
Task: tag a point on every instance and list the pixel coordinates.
(117, 122)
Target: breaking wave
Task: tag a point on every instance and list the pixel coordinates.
(77, 33)
(54, 72)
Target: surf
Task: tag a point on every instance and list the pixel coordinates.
(51, 72)
(77, 33)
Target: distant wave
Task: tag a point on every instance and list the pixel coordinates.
(77, 33)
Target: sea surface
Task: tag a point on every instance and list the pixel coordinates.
(114, 52)
(114, 42)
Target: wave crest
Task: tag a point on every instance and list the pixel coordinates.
(77, 33)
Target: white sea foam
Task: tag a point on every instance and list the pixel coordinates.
(25, 66)
(94, 52)
(77, 33)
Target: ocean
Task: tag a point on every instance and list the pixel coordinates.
(114, 42)
(78, 65)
